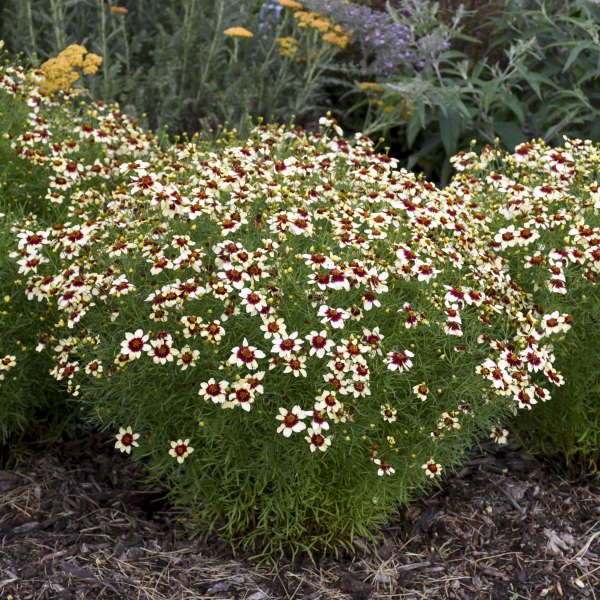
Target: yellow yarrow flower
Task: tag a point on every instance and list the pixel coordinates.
(58, 73)
(291, 4)
(238, 32)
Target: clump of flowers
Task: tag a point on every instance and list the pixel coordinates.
(390, 43)
(303, 334)
(330, 32)
(61, 72)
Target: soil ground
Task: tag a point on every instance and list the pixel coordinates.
(75, 525)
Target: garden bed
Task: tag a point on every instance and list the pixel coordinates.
(75, 524)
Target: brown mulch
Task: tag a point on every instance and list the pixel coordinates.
(74, 525)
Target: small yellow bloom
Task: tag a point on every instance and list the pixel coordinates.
(291, 4)
(238, 32)
(371, 85)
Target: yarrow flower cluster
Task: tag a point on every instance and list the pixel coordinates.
(61, 72)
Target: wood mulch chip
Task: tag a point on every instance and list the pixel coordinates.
(74, 524)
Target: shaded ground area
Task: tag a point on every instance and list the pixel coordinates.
(74, 525)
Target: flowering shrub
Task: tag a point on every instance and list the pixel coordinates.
(294, 333)
(546, 202)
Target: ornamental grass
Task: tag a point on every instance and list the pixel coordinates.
(294, 334)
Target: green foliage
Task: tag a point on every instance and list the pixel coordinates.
(544, 85)
(171, 65)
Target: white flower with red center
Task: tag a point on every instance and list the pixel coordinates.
(319, 419)
(316, 260)
(254, 301)
(213, 332)
(320, 278)
(291, 421)
(187, 357)
(241, 395)
(286, 346)
(180, 450)
(358, 388)
(388, 412)
(453, 314)
(541, 393)
(513, 360)
(552, 323)
(296, 365)
(384, 468)
(525, 397)
(339, 366)
(399, 361)
(449, 421)
(497, 373)
(134, 344)
(319, 344)
(412, 319)
(534, 261)
(421, 390)
(339, 281)
(245, 355)
(557, 286)
(126, 440)
(317, 441)
(425, 271)
(369, 300)
(360, 369)
(220, 289)
(182, 242)
(254, 381)
(327, 401)
(235, 277)
(159, 265)
(92, 368)
(474, 298)
(526, 236)
(432, 468)
(533, 358)
(31, 240)
(452, 328)
(373, 339)
(161, 350)
(333, 316)
(273, 327)
(121, 286)
(554, 376)
(214, 391)
(499, 435)
(506, 237)
(377, 281)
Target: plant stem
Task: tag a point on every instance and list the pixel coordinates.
(217, 34)
(58, 24)
(105, 65)
(31, 32)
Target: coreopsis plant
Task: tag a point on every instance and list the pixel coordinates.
(300, 334)
(546, 203)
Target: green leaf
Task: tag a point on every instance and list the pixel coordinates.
(574, 54)
(450, 128)
(509, 133)
(413, 128)
(513, 103)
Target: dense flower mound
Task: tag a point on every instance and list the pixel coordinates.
(295, 332)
